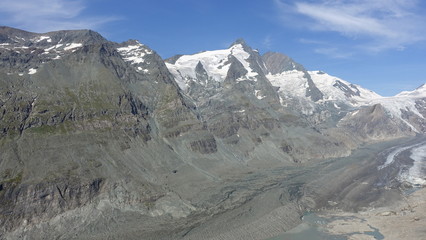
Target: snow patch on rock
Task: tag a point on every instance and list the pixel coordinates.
(72, 46)
(41, 38)
(32, 71)
(135, 54)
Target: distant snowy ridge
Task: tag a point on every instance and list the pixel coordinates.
(293, 84)
(419, 92)
(407, 106)
(215, 63)
(337, 89)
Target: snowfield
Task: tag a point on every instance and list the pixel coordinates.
(216, 63)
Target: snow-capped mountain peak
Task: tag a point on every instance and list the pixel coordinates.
(215, 63)
(241, 42)
(419, 92)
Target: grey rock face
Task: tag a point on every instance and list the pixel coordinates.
(45, 200)
(201, 72)
(236, 70)
(23, 50)
(349, 92)
(255, 60)
(312, 91)
(204, 146)
(374, 123)
(173, 59)
(278, 63)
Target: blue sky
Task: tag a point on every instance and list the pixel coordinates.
(378, 44)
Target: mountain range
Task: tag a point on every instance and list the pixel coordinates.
(107, 140)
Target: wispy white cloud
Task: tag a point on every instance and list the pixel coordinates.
(267, 42)
(312, 41)
(48, 15)
(333, 52)
(372, 26)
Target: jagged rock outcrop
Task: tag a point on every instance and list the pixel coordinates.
(32, 203)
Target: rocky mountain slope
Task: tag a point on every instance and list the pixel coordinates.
(106, 140)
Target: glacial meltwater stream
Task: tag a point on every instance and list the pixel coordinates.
(311, 228)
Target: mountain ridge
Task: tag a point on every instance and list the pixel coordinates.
(302, 87)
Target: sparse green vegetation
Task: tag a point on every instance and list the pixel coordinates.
(73, 97)
(44, 129)
(149, 204)
(10, 179)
